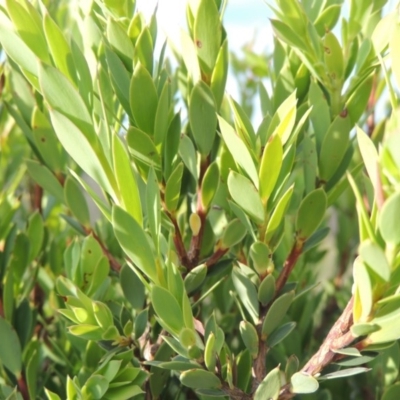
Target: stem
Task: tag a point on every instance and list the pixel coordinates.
(338, 337)
(114, 264)
(216, 256)
(288, 266)
(180, 247)
(23, 387)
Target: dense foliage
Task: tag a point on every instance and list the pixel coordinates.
(154, 243)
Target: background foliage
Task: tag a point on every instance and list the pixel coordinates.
(154, 243)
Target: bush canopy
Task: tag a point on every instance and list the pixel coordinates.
(155, 243)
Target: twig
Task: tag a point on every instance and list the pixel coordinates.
(23, 387)
(338, 337)
(217, 255)
(114, 264)
(179, 246)
(288, 266)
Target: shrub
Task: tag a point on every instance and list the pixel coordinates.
(160, 245)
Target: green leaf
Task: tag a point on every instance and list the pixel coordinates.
(64, 98)
(251, 203)
(344, 373)
(247, 293)
(35, 234)
(203, 117)
(123, 392)
(270, 167)
(303, 383)
(364, 329)
(153, 205)
(392, 392)
(134, 242)
(243, 125)
(59, 48)
(370, 157)
(76, 201)
(234, 232)
(220, 74)
(18, 51)
(311, 213)
(327, 19)
(276, 313)
(90, 159)
(334, 147)
(320, 113)
(260, 255)
(357, 103)
(100, 203)
(363, 286)
(132, 287)
(162, 115)
(280, 333)
(286, 34)
(250, 337)
(333, 57)
(266, 290)
(102, 314)
(388, 224)
(46, 179)
(167, 309)
(27, 27)
(284, 119)
(126, 181)
(375, 258)
(194, 279)
(207, 35)
(120, 42)
(96, 386)
(270, 387)
(143, 151)
(173, 188)
(51, 396)
(292, 366)
(140, 324)
(210, 184)
(120, 79)
(189, 55)
(210, 359)
(46, 141)
(144, 49)
(10, 348)
(200, 379)
(143, 99)
(239, 151)
(278, 214)
(188, 155)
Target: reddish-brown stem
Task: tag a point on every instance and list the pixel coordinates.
(338, 337)
(23, 387)
(114, 264)
(218, 254)
(37, 198)
(259, 368)
(179, 246)
(288, 266)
